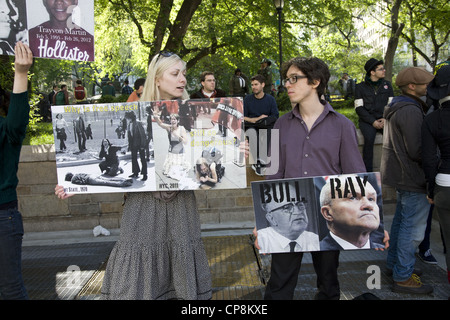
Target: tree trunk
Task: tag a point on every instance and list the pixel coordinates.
(396, 31)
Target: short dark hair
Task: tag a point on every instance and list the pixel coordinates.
(259, 77)
(313, 68)
(68, 176)
(204, 74)
(138, 83)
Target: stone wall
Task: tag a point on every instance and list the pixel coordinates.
(43, 211)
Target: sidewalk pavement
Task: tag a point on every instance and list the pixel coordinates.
(69, 265)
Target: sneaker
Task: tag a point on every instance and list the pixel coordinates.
(416, 271)
(412, 285)
(427, 257)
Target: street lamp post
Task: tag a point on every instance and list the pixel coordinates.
(279, 6)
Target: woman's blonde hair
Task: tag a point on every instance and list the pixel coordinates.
(159, 64)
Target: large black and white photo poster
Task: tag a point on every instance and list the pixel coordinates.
(103, 148)
(53, 29)
(342, 212)
(148, 146)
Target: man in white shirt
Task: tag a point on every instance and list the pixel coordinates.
(349, 205)
(288, 220)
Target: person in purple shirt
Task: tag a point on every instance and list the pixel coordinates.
(314, 140)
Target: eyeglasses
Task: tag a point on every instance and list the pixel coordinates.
(292, 79)
(165, 54)
(289, 207)
(380, 69)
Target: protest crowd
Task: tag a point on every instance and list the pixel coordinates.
(160, 254)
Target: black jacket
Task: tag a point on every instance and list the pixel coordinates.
(199, 94)
(370, 100)
(436, 136)
(401, 159)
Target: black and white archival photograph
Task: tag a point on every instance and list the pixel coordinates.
(103, 148)
(320, 213)
(13, 25)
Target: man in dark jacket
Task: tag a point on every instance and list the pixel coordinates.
(12, 132)
(436, 135)
(137, 142)
(401, 168)
(371, 96)
(208, 89)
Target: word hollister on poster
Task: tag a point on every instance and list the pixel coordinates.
(53, 29)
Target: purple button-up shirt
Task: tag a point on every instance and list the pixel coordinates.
(329, 148)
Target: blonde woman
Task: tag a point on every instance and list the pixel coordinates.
(160, 254)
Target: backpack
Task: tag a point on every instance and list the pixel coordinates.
(60, 98)
(79, 93)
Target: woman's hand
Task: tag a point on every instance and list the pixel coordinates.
(61, 194)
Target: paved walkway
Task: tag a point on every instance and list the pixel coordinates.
(70, 265)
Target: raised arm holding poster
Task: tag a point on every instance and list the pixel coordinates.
(319, 213)
(148, 146)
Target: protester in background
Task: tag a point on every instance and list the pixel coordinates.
(80, 93)
(267, 74)
(12, 132)
(401, 169)
(260, 114)
(436, 136)
(138, 88)
(108, 89)
(52, 94)
(126, 89)
(239, 84)
(61, 97)
(371, 96)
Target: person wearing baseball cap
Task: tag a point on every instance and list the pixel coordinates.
(436, 134)
(371, 96)
(401, 168)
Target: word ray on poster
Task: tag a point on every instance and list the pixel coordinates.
(342, 212)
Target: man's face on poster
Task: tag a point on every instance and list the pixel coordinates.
(288, 218)
(358, 211)
(58, 9)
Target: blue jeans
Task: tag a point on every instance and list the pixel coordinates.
(407, 231)
(11, 233)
